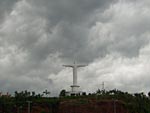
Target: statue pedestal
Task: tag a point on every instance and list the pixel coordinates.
(75, 90)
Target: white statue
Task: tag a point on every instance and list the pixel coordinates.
(74, 67)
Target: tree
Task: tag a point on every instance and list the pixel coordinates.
(98, 92)
(149, 94)
(33, 94)
(62, 93)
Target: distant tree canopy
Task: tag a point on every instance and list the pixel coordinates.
(135, 103)
(149, 94)
(18, 102)
(62, 93)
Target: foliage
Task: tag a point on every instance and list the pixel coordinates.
(62, 93)
(135, 103)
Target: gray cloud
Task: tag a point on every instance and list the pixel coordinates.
(37, 37)
(68, 10)
(6, 7)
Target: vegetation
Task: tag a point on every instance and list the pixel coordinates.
(20, 101)
(134, 103)
(62, 93)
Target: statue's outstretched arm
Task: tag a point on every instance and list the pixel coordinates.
(68, 65)
(81, 65)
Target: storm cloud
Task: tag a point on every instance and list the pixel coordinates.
(38, 36)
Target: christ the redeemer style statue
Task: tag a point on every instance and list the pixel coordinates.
(74, 67)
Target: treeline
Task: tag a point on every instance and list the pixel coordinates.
(134, 103)
(19, 103)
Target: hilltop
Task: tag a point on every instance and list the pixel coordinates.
(113, 101)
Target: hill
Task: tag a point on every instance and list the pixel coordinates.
(113, 101)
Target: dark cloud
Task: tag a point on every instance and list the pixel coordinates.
(38, 36)
(5, 8)
(71, 11)
(64, 24)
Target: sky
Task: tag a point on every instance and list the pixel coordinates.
(38, 36)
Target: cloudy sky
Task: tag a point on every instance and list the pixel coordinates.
(38, 36)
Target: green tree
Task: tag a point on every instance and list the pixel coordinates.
(62, 93)
(149, 94)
